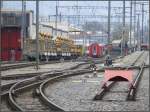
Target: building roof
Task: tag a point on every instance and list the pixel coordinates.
(116, 41)
(15, 10)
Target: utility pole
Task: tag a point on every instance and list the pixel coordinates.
(0, 47)
(56, 17)
(1, 4)
(25, 24)
(138, 26)
(142, 23)
(109, 12)
(22, 29)
(142, 32)
(37, 34)
(123, 32)
(148, 28)
(130, 22)
(68, 21)
(78, 13)
(134, 23)
(60, 19)
(49, 18)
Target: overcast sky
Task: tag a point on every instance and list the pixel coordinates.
(48, 8)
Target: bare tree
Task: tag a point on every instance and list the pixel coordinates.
(93, 26)
(117, 32)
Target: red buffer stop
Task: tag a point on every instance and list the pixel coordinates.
(118, 75)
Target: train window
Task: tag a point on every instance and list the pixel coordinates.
(94, 48)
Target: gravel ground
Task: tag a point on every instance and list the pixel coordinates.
(147, 59)
(74, 91)
(77, 93)
(8, 64)
(4, 107)
(129, 59)
(143, 58)
(4, 82)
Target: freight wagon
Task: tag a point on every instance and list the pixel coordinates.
(52, 49)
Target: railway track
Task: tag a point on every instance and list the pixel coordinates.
(30, 83)
(15, 78)
(10, 80)
(29, 75)
(7, 66)
(132, 90)
(21, 87)
(27, 88)
(26, 64)
(46, 100)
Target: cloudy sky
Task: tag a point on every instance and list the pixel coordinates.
(48, 8)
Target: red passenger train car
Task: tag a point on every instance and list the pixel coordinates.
(96, 50)
(145, 47)
(11, 43)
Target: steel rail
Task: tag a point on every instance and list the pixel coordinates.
(7, 86)
(132, 91)
(45, 99)
(103, 91)
(28, 75)
(15, 66)
(27, 83)
(31, 82)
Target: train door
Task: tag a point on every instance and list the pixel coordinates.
(94, 50)
(103, 50)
